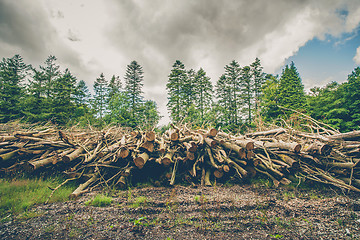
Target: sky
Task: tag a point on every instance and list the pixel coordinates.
(91, 37)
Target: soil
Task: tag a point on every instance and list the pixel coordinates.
(221, 212)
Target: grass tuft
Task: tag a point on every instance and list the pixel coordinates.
(100, 200)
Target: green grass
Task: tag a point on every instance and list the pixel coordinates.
(100, 200)
(139, 201)
(19, 195)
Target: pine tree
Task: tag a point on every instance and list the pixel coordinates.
(202, 88)
(223, 95)
(175, 88)
(114, 86)
(291, 90)
(258, 78)
(247, 92)
(133, 86)
(232, 74)
(270, 97)
(101, 96)
(63, 106)
(51, 73)
(13, 71)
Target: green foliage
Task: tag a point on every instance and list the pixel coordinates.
(13, 72)
(291, 91)
(176, 88)
(100, 100)
(100, 200)
(19, 195)
(139, 201)
(133, 86)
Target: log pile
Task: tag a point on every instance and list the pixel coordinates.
(118, 157)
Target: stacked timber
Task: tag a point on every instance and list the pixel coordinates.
(117, 156)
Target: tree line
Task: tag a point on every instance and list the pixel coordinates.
(49, 94)
(240, 95)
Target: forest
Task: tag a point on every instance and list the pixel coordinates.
(241, 97)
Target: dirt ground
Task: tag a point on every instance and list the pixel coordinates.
(235, 212)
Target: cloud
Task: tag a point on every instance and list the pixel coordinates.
(94, 36)
(357, 56)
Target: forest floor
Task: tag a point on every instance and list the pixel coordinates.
(221, 212)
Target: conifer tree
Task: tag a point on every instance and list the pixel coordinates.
(114, 86)
(352, 99)
(133, 86)
(258, 79)
(13, 71)
(202, 89)
(232, 74)
(51, 73)
(175, 89)
(63, 105)
(101, 95)
(246, 92)
(291, 90)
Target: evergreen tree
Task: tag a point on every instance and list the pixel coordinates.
(114, 86)
(100, 99)
(133, 86)
(291, 90)
(258, 79)
(151, 115)
(12, 73)
(232, 73)
(51, 73)
(202, 88)
(270, 97)
(223, 95)
(63, 105)
(247, 92)
(175, 88)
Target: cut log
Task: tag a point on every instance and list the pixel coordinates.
(293, 146)
(247, 144)
(233, 147)
(141, 159)
(81, 189)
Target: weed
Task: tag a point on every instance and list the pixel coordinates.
(28, 215)
(139, 201)
(99, 201)
(276, 236)
(19, 195)
(139, 221)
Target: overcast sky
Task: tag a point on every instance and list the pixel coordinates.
(94, 36)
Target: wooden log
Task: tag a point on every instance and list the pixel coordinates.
(7, 138)
(276, 131)
(218, 173)
(81, 188)
(237, 149)
(345, 136)
(7, 156)
(212, 161)
(148, 146)
(246, 144)
(174, 135)
(162, 146)
(207, 178)
(190, 146)
(33, 165)
(123, 152)
(167, 159)
(293, 146)
(121, 183)
(75, 154)
(141, 159)
(150, 136)
(290, 161)
(318, 148)
(210, 142)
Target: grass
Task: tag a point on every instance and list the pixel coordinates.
(100, 200)
(139, 201)
(19, 195)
